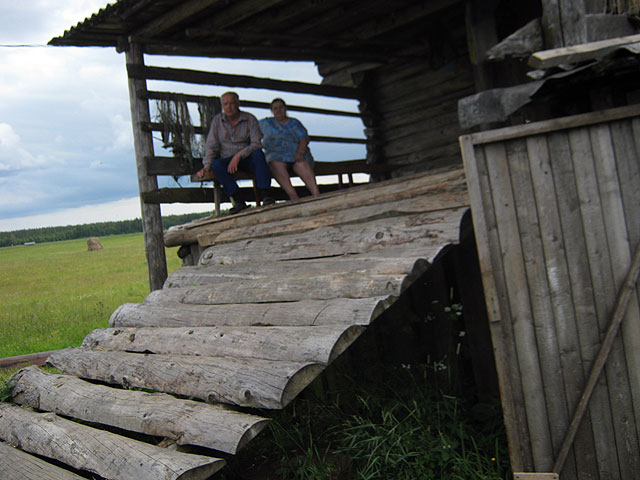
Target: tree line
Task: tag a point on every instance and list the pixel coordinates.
(99, 229)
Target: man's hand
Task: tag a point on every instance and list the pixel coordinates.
(203, 172)
(299, 157)
(233, 164)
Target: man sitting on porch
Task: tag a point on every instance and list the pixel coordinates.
(234, 141)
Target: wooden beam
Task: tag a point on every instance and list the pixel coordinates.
(140, 72)
(246, 103)
(579, 53)
(24, 360)
(15, 463)
(143, 145)
(272, 52)
(176, 15)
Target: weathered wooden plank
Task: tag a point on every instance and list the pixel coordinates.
(555, 124)
(237, 381)
(318, 344)
(378, 193)
(582, 291)
(209, 274)
(426, 233)
(541, 312)
(620, 252)
(447, 197)
(626, 137)
(579, 53)
(339, 311)
(186, 422)
(93, 450)
(490, 258)
(140, 72)
(24, 360)
(519, 302)
(559, 284)
(18, 465)
(280, 288)
(601, 276)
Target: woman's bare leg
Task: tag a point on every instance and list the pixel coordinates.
(306, 173)
(280, 173)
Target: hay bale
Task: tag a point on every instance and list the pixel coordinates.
(94, 244)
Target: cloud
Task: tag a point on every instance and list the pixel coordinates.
(13, 157)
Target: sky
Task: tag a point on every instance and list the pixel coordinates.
(66, 142)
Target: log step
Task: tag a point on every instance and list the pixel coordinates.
(98, 451)
(18, 465)
(237, 381)
(428, 231)
(339, 311)
(186, 422)
(209, 274)
(291, 289)
(292, 344)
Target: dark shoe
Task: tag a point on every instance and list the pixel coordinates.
(268, 201)
(237, 206)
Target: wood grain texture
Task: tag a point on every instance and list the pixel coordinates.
(293, 344)
(247, 382)
(186, 422)
(18, 465)
(98, 451)
(339, 311)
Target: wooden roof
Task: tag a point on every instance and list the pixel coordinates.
(279, 293)
(366, 30)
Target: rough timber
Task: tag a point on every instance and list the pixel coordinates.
(236, 331)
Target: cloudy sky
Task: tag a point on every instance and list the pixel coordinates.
(66, 147)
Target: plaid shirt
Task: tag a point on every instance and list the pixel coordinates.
(225, 140)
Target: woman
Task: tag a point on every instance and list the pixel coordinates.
(285, 142)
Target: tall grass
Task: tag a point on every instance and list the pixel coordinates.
(53, 294)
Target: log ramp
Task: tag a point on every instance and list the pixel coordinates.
(278, 293)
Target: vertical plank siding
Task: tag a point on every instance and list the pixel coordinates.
(556, 208)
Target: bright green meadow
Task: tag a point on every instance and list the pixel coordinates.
(53, 294)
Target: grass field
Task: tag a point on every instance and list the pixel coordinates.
(53, 294)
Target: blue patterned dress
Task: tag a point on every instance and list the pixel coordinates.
(280, 140)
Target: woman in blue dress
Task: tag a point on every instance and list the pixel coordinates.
(285, 142)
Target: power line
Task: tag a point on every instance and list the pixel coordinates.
(22, 45)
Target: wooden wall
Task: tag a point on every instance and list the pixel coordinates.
(556, 211)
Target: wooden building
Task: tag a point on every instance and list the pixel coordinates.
(554, 204)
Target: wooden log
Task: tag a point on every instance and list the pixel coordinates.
(237, 381)
(445, 198)
(186, 422)
(287, 289)
(213, 78)
(209, 274)
(319, 344)
(426, 232)
(18, 465)
(339, 311)
(93, 450)
(381, 192)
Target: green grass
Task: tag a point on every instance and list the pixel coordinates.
(53, 294)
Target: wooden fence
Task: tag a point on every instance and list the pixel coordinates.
(556, 209)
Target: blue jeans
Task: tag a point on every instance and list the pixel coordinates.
(254, 163)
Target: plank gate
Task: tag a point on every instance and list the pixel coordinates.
(556, 211)
(278, 294)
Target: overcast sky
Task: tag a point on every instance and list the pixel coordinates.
(66, 147)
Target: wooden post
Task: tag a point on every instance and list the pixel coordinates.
(143, 143)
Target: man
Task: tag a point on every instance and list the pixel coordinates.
(234, 141)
